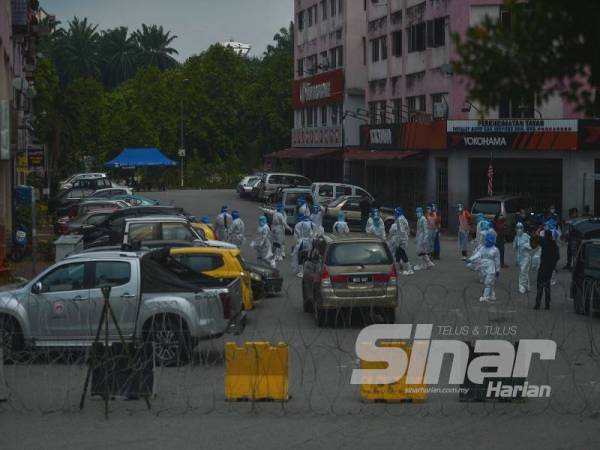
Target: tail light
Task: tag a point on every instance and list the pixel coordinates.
(226, 300)
(339, 278)
(325, 277)
(390, 277)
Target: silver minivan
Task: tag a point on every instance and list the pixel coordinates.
(325, 193)
(273, 182)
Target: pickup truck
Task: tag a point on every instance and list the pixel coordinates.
(289, 199)
(153, 296)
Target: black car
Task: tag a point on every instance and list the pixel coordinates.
(111, 231)
(585, 281)
(63, 203)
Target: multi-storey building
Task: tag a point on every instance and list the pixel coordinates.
(423, 138)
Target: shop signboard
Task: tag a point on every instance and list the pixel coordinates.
(516, 134)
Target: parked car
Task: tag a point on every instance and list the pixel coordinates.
(206, 229)
(217, 263)
(585, 281)
(68, 183)
(155, 228)
(349, 272)
(94, 183)
(155, 299)
(289, 198)
(136, 200)
(506, 205)
(116, 221)
(111, 192)
(93, 217)
(64, 201)
(244, 187)
(82, 208)
(350, 206)
(272, 182)
(255, 190)
(325, 193)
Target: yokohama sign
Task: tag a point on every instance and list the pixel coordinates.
(317, 137)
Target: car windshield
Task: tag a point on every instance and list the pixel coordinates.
(359, 254)
(487, 207)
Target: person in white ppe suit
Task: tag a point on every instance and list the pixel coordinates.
(279, 227)
(222, 224)
(317, 218)
(304, 233)
(375, 225)
(341, 227)
(424, 242)
(523, 252)
(303, 208)
(487, 259)
(262, 243)
(236, 231)
(398, 241)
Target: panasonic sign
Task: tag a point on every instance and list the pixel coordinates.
(311, 92)
(381, 136)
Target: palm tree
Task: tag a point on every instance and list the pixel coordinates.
(75, 51)
(154, 47)
(119, 52)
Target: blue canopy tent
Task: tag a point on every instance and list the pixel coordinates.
(131, 158)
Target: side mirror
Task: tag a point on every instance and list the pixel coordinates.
(37, 288)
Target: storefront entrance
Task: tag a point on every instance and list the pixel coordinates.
(539, 180)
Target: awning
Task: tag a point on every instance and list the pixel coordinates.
(303, 153)
(358, 154)
(140, 157)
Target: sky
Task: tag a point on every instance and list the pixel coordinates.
(197, 23)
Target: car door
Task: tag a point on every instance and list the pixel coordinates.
(123, 279)
(351, 210)
(61, 308)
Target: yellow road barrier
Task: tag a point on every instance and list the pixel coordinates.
(257, 371)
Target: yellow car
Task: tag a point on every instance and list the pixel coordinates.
(208, 231)
(217, 263)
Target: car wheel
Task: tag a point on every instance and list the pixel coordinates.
(11, 339)
(171, 340)
(390, 315)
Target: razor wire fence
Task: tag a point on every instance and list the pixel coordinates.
(321, 360)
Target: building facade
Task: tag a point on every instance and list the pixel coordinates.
(418, 137)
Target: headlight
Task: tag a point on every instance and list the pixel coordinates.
(255, 277)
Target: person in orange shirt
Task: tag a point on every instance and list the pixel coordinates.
(465, 221)
(434, 218)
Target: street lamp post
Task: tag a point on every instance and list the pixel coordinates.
(182, 148)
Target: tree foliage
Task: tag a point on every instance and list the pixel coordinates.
(545, 48)
(235, 109)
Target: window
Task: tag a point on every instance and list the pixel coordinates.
(397, 110)
(65, 278)
(340, 56)
(416, 103)
(333, 7)
(362, 193)
(359, 254)
(143, 232)
(312, 64)
(373, 112)
(384, 49)
(301, 182)
(326, 190)
(301, 20)
(340, 6)
(439, 99)
(324, 61)
(309, 11)
(97, 219)
(316, 13)
(416, 37)
(382, 112)
(397, 43)
(396, 17)
(177, 232)
(324, 9)
(201, 263)
(436, 32)
(112, 273)
(351, 205)
(343, 190)
(374, 50)
(301, 67)
(323, 116)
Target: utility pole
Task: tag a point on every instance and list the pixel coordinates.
(182, 148)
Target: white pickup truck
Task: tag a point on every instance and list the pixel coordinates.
(153, 297)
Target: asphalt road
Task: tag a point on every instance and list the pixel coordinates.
(325, 411)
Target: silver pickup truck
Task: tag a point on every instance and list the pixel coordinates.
(153, 298)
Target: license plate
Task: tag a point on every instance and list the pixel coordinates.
(360, 280)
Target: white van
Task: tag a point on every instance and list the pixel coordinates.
(325, 193)
(273, 182)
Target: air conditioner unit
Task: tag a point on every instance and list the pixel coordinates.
(440, 110)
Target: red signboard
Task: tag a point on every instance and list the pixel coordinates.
(318, 90)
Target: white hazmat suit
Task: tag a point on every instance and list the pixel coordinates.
(304, 233)
(487, 260)
(523, 252)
